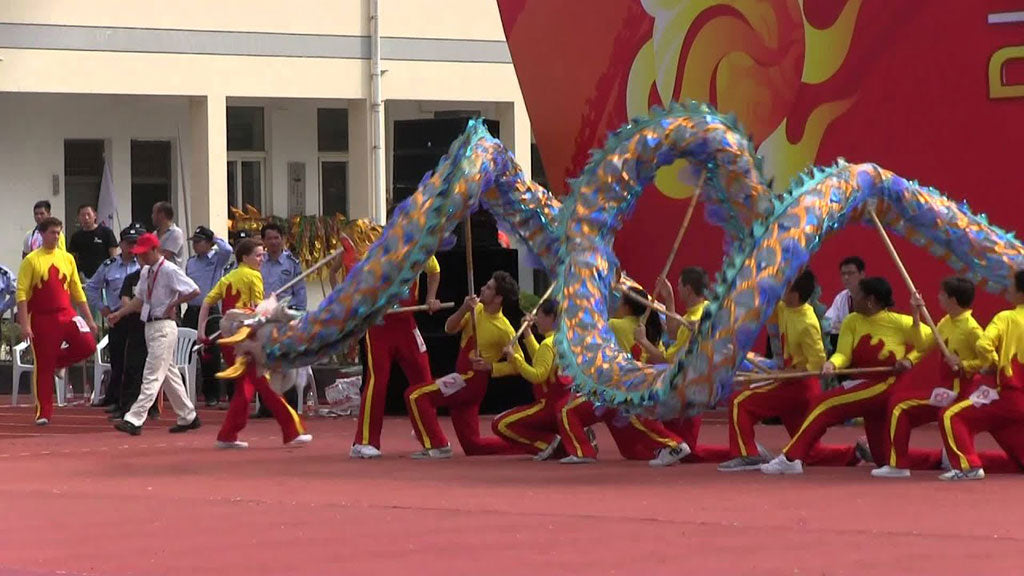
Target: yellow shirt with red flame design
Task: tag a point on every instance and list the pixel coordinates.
(48, 281)
(240, 288)
(960, 334)
(1002, 345)
(881, 339)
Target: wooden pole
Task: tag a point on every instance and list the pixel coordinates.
(910, 283)
(683, 226)
(468, 237)
(525, 325)
(807, 374)
(625, 291)
(420, 308)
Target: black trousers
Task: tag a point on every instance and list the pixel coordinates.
(134, 361)
(209, 359)
(117, 338)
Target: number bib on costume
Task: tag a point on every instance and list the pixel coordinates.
(82, 326)
(847, 384)
(451, 383)
(942, 397)
(984, 395)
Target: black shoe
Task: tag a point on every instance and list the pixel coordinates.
(116, 415)
(109, 408)
(179, 428)
(128, 428)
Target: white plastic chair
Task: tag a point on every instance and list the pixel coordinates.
(186, 360)
(99, 368)
(19, 366)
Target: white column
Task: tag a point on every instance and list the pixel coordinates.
(207, 163)
(515, 134)
(360, 164)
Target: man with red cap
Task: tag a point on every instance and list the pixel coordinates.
(163, 287)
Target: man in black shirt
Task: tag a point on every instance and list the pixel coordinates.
(92, 244)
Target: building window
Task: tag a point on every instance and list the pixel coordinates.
(245, 129)
(151, 178)
(332, 142)
(246, 157)
(83, 173)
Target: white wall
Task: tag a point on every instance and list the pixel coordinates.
(34, 127)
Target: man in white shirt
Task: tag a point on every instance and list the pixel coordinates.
(34, 239)
(172, 239)
(162, 288)
(851, 271)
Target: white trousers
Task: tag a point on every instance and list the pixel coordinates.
(161, 340)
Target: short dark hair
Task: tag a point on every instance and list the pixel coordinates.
(165, 208)
(1018, 279)
(653, 328)
(635, 308)
(246, 247)
(50, 222)
(549, 307)
(696, 278)
(960, 289)
(804, 286)
(42, 204)
(271, 226)
(84, 206)
(879, 289)
(856, 261)
(506, 287)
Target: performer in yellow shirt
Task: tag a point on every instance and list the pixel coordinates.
(872, 336)
(918, 404)
(999, 410)
(534, 427)
(243, 288)
(802, 350)
(463, 392)
(49, 291)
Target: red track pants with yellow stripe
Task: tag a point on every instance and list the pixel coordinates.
(250, 382)
(50, 330)
(910, 407)
(1002, 418)
(637, 439)
(868, 399)
(788, 401)
(397, 339)
(423, 400)
(532, 427)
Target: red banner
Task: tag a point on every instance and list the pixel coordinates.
(933, 91)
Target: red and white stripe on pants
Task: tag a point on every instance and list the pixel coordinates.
(250, 382)
(50, 330)
(636, 439)
(424, 399)
(397, 339)
(1003, 418)
(788, 401)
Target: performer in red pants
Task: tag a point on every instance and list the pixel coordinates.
(802, 350)
(872, 336)
(463, 392)
(396, 338)
(534, 427)
(243, 288)
(920, 402)
(49, 291)
(999, 410)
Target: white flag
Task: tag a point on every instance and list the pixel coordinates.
(106, 208)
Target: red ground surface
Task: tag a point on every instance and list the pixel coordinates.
(78, 497)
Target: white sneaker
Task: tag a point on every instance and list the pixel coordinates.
(781, 465)
(42, 422)
(969, 474)
(236, 445)
(577, 460)
(363, 451)
(547, 452)
(443, 453)
(890, 472)
(670, 456)
(300, 440)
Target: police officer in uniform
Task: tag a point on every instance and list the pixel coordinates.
(279, 268)
(205, 268)
(103, 293)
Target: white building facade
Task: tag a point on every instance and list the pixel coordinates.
(211, 104)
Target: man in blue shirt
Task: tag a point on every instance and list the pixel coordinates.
(205, 268)
(103, 293)
(281, 267)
